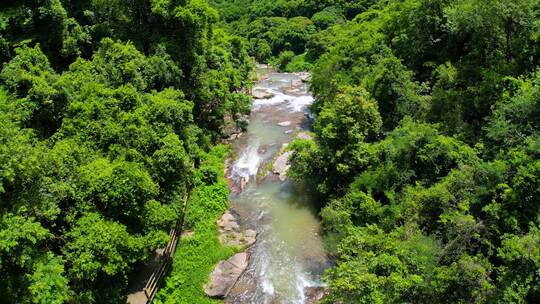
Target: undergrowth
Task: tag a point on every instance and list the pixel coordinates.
(197, 255)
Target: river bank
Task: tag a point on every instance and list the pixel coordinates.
(254, 236)
(200, 248)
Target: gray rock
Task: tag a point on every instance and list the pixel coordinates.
(230, 234)
(225, 275)
(282, 165)
(296, 82)
(262, 149)
(304, 77)
(250, 237)
(315, 294)
(262, 94)
(293, 91)
(243, 239)
(227, 222)
(284, 124)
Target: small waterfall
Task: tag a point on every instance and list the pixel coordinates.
(300, 104)
(248, 163)
(278, 98)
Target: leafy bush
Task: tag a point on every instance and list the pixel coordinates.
(298, 64)
(327, 17)
(284, 59)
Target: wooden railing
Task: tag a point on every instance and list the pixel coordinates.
(166, 259)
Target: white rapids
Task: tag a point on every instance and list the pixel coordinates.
(248, 163)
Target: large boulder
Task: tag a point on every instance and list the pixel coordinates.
(230, 233)
(315, 294)
(228, 222)
(262, 94)
(225, 275)
(282, 165)
(304, 76)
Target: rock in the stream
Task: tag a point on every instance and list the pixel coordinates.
(284, 124)
(262, 94)
(225, 275)
(293, 91)
(243, 184)
(262, 149)
(296, 82)
(228, 222)
(314, 294)
(244, 239)
(250, 237)
(304, 77)
(230, 234)
(281, 165)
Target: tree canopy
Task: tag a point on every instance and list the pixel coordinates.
(106, 110)
(425, 149)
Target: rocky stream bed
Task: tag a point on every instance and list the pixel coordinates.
(271, 219)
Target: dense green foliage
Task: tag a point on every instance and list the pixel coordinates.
(284, 28)
(426, 142)
(106, 111)
(427, 148)
(200, 252)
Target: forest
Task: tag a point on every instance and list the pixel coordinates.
(108, 110)
(426, 141)
(425, 148)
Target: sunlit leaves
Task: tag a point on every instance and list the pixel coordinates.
(117, 189)
(97, 246)
(29, 76)
(48, 282)
(18, 235)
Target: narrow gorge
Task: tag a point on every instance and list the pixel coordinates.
(286, 262)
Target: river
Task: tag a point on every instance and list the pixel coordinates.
(288, 259)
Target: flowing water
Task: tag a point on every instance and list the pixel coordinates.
(288, 258)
